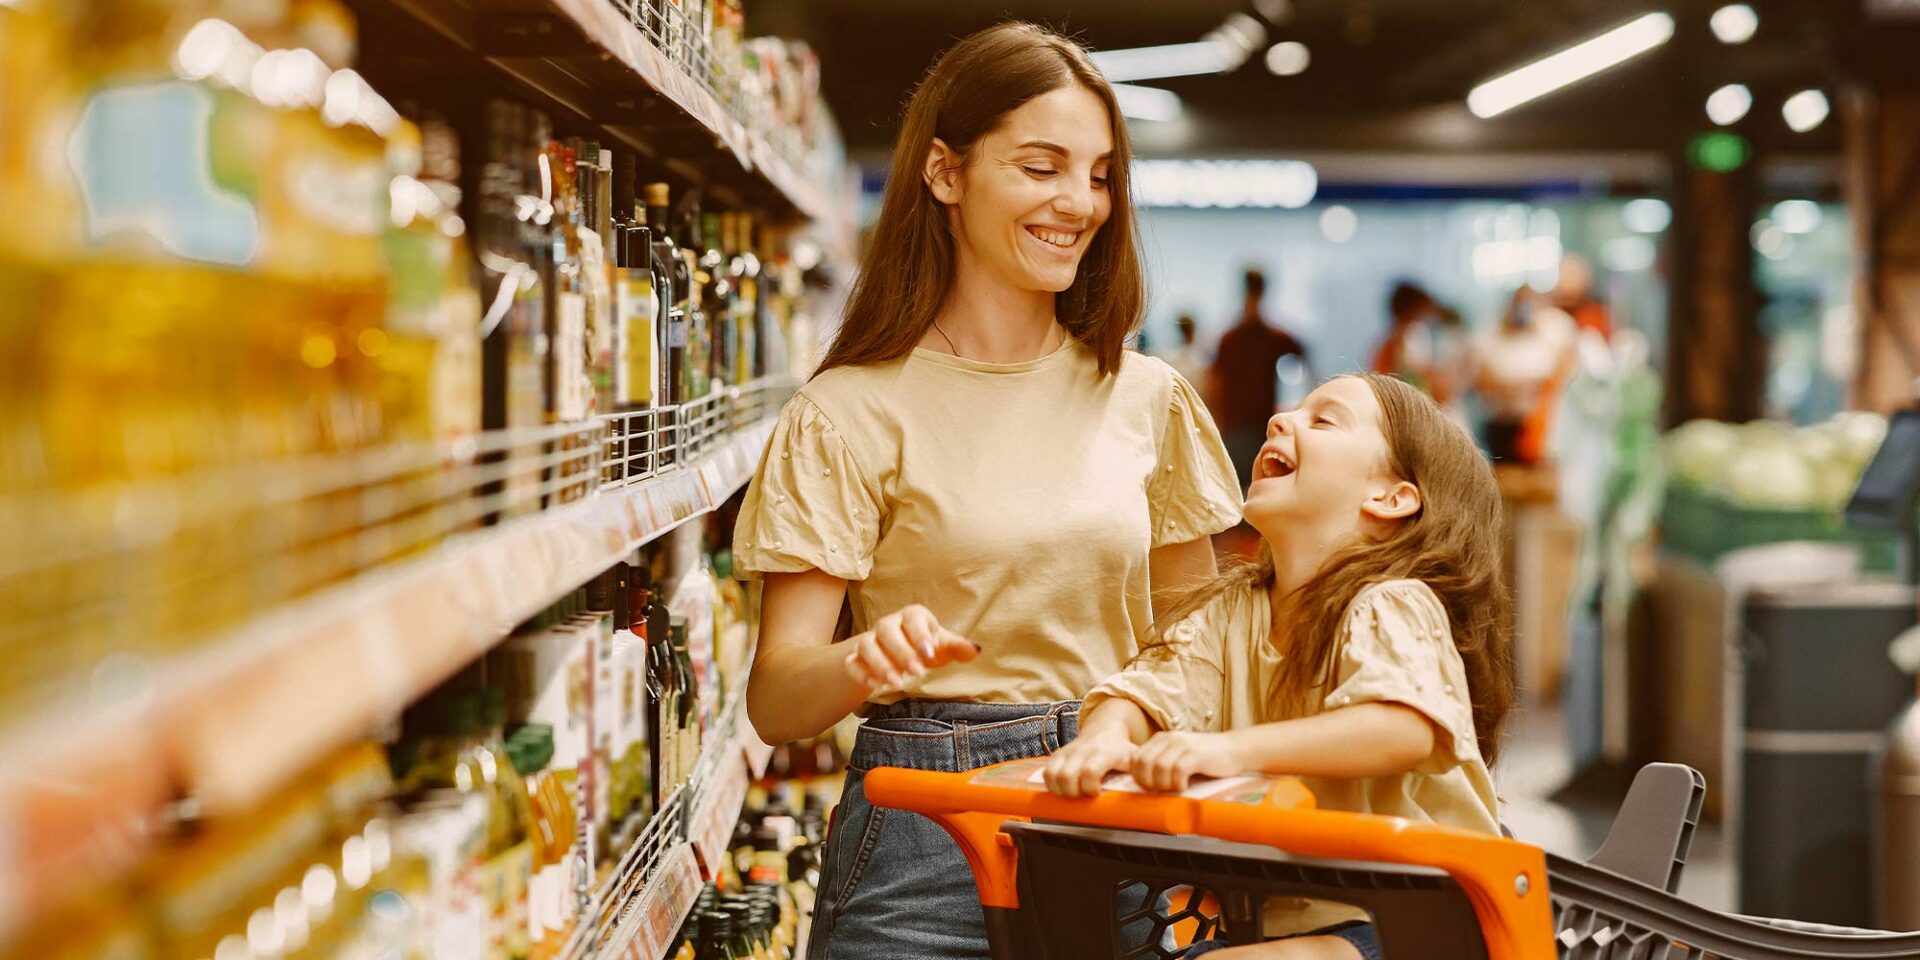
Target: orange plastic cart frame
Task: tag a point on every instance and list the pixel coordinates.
(1505, 880)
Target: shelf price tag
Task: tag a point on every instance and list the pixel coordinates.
(647, 931)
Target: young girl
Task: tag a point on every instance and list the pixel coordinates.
(1365, 651)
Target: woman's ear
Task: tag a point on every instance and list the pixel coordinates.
(1395, 501)
(942, 172)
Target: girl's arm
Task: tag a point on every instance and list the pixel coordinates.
(1108, 733)
(1348, 743)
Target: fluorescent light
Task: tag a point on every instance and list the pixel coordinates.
(1243, 30)
(1797, 216)
(1227, 184)
(1805, 110)
(1147, 103)
(1338, 223)
(1646, 215)
(1288, 58)
(1578, 62)
(1277, 12)
(1728, 104)
(1734, 23)
(1171, 60)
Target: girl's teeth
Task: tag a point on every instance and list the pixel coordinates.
(1056, 239)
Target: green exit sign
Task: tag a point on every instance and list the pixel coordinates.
(1720, 151)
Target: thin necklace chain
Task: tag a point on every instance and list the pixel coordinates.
(956, 350)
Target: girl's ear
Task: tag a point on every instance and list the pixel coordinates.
(942, 172)
(1396, 501)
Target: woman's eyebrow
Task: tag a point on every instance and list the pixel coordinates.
(1047, 145)
(1054, 148)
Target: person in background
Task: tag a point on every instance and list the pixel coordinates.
(1243, 384)
(1407, 351)
(1520, 365)
(1573, 294)
(1188, 360)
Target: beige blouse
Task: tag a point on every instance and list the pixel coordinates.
(1018, 502)
(1396, 646)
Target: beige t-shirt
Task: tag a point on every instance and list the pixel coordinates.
(1016, 501)
(1396, 646)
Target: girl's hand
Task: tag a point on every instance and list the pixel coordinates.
(903, 645)
(1170, 761)
(1076, 769)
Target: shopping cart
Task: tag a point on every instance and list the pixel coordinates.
(1054, 874)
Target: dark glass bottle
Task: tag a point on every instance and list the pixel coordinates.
(669, 263)
(719, 301)
(699, 367)
(690, 705)
(716, 937)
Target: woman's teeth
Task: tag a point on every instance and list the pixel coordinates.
(1053, 237)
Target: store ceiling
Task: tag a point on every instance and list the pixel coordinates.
(1386, 75)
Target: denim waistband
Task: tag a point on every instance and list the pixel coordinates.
(954, 736)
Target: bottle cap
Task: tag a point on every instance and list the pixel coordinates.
(535, 745)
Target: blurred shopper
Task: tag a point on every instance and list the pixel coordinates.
(1407, 350)
(1189, 360)
(981, 473)
(1520, 365)
(1244, 385)
(1573, 295)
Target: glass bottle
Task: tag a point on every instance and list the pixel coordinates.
(719, 301)
(670, 265)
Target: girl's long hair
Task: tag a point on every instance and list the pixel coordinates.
(1453, 544)
(907, 270)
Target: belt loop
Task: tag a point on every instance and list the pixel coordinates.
(962, 751)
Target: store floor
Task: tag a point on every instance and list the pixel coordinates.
(1534, 765)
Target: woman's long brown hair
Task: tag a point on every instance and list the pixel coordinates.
(908, 266)
(1453, 544)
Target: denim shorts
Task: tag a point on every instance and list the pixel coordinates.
(894, 885)
(1360, 933)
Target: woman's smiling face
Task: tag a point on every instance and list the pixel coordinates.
(1033, 193)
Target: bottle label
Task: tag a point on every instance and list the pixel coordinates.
(573, 391)
(505, 880)
(636, 372)
(677, 329)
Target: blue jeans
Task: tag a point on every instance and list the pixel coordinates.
(894, 885)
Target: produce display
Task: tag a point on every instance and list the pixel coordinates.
(1741, 485)
(1769, 464)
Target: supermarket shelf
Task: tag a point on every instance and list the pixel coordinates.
(85, 789)
(589, 59)
(637, 914)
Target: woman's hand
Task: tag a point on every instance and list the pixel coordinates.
(1076, 769)
(903, 645)
(1169, 761)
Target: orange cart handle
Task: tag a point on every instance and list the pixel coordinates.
(1505, 880)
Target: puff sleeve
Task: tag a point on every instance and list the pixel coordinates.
(1180, 682)
(1398, 648)
(809, 507)
(1194, 491)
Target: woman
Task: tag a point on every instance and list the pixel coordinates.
(980, 472)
